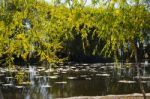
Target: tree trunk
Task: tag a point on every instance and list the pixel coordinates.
(138, 71)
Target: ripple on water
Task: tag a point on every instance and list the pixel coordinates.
(83, 76)
(19, 87)
(103, 75)
(7, 85)
(46, 86)
(26, 83)
(2, 75)
(127, 81)
(39, 77)
(53, 77)
(88, 78)
(1, 83)
(145, 82)
(61, 82)
(71, 78)
(143, 77)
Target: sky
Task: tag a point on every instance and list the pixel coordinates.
(88, 1)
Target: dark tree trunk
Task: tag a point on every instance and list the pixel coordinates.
(138, 71)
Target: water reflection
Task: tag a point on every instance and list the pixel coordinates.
(73, 80)
(1, 95)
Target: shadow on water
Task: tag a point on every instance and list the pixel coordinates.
(72, 80)
(1, 95)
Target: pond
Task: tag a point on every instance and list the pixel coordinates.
(43, 82)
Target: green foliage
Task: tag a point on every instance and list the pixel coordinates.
(35, 28)
(28, 29)
(20, 77)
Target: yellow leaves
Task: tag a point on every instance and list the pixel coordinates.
(44, 56)
(84, 33)
(18, 16)
(20, 37)
(117, 12)
(113, 1)
(52, 27)
(101, 10)
(11, 49)
(26, 46)
(76, 15)
(20, 76)
(25, 55)
(2, 25)
(113, 38)
(123, 1)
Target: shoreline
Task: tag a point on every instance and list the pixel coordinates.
(126, 96)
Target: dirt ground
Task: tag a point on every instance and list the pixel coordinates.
(128, 96)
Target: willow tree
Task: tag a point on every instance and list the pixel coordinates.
(28, 30)
(123, 25)
(35, 28)
(31, 28)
